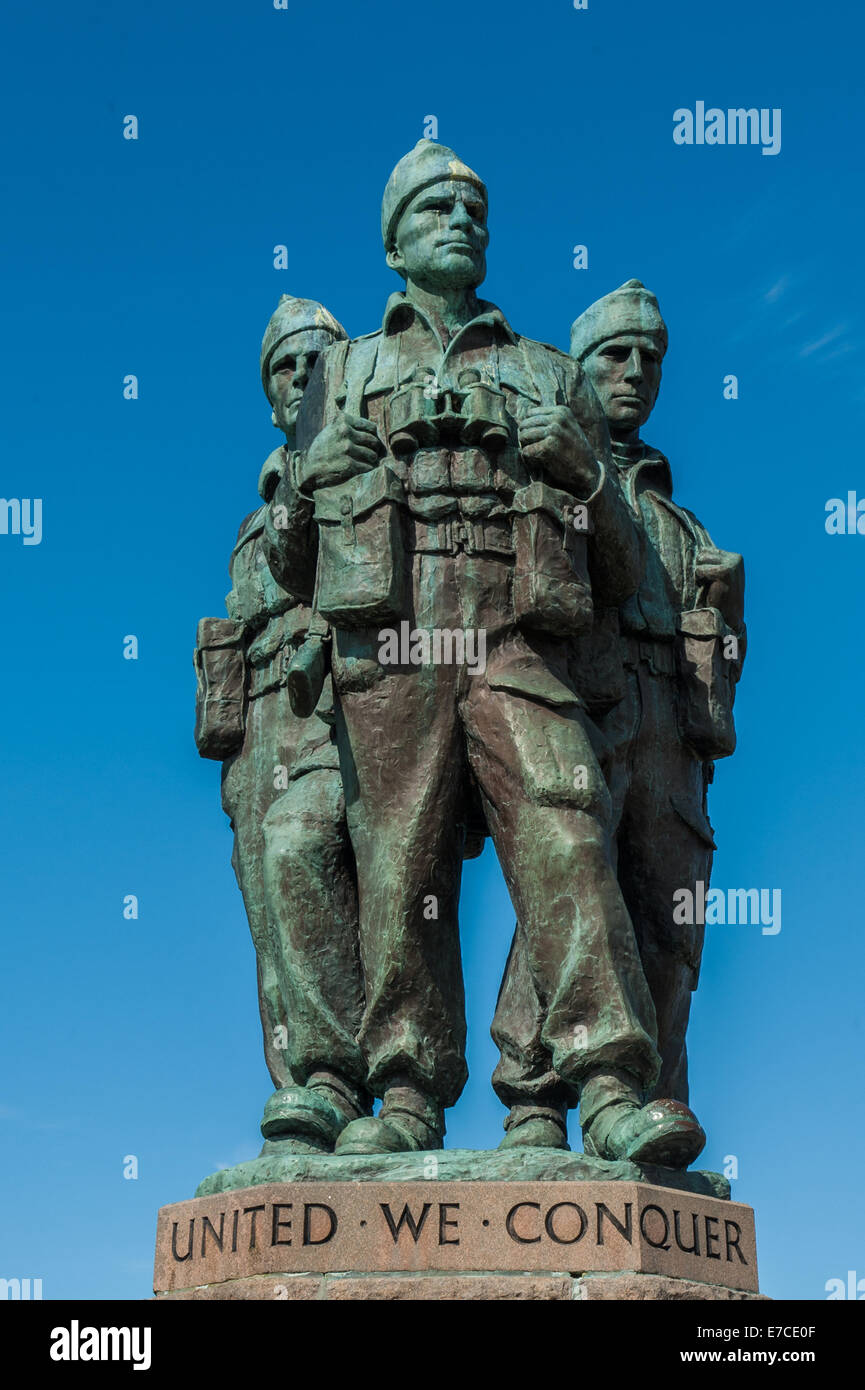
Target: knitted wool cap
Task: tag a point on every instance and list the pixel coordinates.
(629, 309)
(295, 316)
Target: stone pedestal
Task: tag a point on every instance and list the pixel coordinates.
(524, 1225)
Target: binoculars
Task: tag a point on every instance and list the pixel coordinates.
(422, 415)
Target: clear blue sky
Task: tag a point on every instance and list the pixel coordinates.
(155, 257)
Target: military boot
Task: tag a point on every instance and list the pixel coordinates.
(616, 1124)
(536, 1127)
(310, 1118)
(409, 1122)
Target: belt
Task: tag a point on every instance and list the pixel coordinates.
(448, 537)
(269, 653)
(660, 657)
(270, 675)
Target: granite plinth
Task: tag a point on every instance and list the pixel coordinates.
(550, 1230)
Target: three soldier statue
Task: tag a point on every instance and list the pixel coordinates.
(446, 477)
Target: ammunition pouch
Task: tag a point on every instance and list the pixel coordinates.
(220, 667)
(707, 682)
(306, 676)
(552, 591)
(361, 568)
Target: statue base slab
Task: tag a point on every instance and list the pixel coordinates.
(424, 1234)
(494, 1286)
(277, 1163)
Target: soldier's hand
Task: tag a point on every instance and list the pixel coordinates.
(552, 436)
(721, 573)
(348, 445)
(712, 563)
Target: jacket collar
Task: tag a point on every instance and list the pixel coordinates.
(650, 468)
(400, 312)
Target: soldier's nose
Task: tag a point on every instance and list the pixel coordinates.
(634, 366)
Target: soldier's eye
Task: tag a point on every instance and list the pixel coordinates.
(311, 360)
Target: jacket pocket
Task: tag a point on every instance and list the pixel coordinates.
(706, 684)
(361, 569)
(552, 591)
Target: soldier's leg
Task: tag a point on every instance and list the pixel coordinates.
(524, 1079)
(247, 792)
(651, 870)
(665, 844)
(311, 896)
(403, 768)
(553, 842)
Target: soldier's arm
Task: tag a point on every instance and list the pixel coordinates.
(719, 582)
(290, 538)
(718, 575)
(242, 601)
(616, 539)
(721, 574)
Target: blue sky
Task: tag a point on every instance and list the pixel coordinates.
(260, 127)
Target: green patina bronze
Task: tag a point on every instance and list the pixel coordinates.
(450, 488)
(282, 790)
(664, 708)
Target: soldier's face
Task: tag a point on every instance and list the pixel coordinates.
(626, 374)
(290, 369)
(442, 237)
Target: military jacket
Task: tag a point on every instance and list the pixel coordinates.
(406, 379)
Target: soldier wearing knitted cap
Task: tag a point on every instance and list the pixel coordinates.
(426, 166)
(297, 332)
(282, 790)
(445, 456)
(681, 644)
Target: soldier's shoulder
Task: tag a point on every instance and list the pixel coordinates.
(537, 344)
(336, 356)
(566, 368)
(271, 471)
(250, 526)
(559, 353)
(346, 345)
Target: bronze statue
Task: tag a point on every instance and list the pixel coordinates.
(454, 483)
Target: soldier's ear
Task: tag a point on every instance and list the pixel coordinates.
(396, 261)
(273, 420)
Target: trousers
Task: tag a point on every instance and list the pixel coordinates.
(662, 842)
(409, 737)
